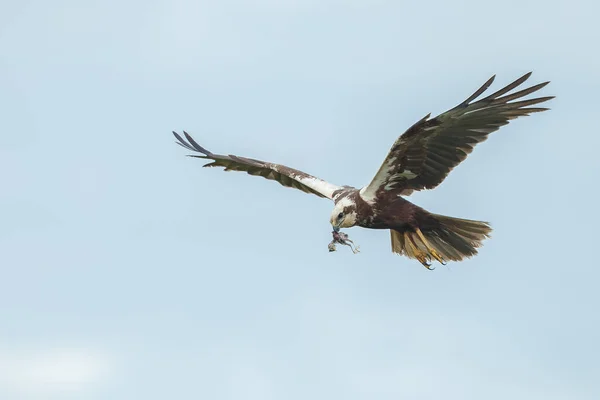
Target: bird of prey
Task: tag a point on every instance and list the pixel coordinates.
(421, 158)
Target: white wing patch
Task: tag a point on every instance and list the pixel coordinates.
(367, 192)
(316, 184)
(380, 178)
(408, 174)
(319, 185)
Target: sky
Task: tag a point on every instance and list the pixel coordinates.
(129, 272)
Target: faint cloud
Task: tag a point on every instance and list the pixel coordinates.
(47, 372)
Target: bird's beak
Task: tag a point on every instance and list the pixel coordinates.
(336, 228)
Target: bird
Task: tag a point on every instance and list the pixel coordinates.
(420, 159)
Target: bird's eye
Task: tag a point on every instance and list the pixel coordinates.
(340, 215)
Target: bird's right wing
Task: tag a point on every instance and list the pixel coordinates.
(286, 176)
(426, 153)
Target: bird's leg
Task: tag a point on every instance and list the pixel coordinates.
(429, 247)
(355, 249)
(349, 243)
(419, 255)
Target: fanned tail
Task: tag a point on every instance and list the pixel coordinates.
(454, 240)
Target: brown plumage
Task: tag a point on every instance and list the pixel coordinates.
(421, 158)
(286, 176)
(431, 148)
(453, 240)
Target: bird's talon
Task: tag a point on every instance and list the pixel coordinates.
(438, 257)
(423, 260)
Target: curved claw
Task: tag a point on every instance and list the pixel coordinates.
(427, 265)
(424, 260)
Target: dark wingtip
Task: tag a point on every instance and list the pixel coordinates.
(541, 85)
(179, 138)
(190, 144)
(196, 146)
(182, 142)
(478, 92)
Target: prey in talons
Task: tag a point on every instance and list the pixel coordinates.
(342, 238)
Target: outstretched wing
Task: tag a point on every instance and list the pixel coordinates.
(426, 153)
(286, 176)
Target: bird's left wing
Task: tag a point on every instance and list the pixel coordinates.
(286, 176)
(426, 153)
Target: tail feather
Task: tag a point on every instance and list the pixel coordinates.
(455, 239)
(447, 251)
(397, 241)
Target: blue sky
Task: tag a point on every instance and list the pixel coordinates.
(130, 272)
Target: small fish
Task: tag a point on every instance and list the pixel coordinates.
(342, 238)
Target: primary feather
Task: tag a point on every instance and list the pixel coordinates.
(424, 155)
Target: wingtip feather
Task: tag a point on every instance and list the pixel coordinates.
(195, 145)
(479, 91)
(182, 142)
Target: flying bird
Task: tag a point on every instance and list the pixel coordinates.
(420, 159)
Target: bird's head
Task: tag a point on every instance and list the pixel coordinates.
(343, 214)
